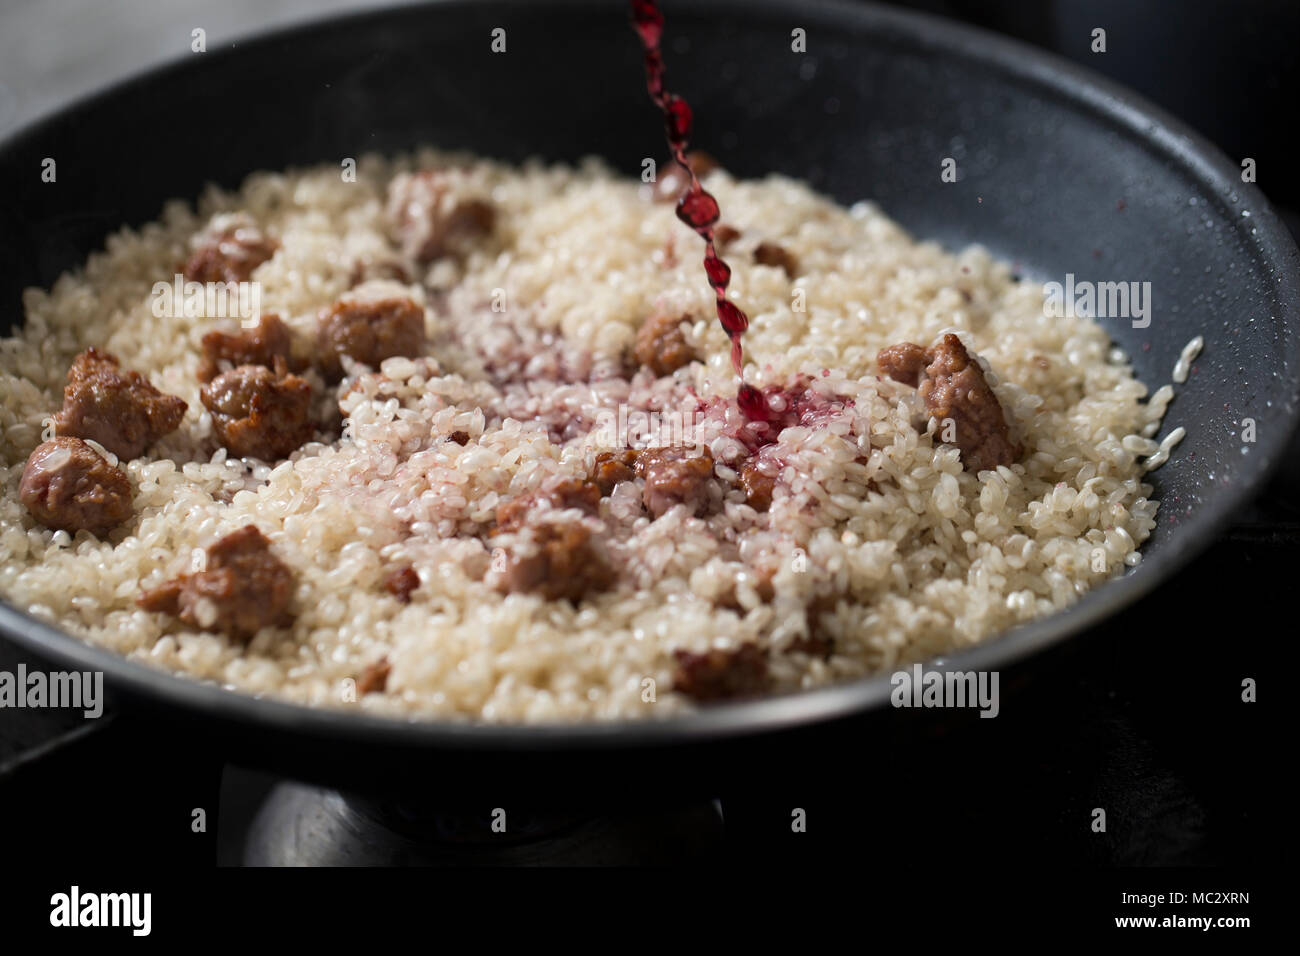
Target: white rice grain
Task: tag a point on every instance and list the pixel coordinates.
(1184, 365)
(1162, 453)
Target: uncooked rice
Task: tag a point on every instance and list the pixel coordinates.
(927, 560)
(1184, 365)
(1164, 449)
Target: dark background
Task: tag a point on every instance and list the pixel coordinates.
(1228, 67)
(1143, 717)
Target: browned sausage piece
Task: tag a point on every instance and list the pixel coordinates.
(814, 645)
(675, 476)
(903, 362)
(243, 589)
(612, 467)
(560, 562)
(259, 412)
(721, 675)
(817, 643)
(661, 345)
(564, 493)
(229, 250)
(757, 484)
(400, 582)
(259, 345)
(724, 235)
(120, 410)
(672, 179)
(954, 388)
(68, 486)
(428, 219)
(374, 678)
(777, 256)
(369, 328)
(364, 270)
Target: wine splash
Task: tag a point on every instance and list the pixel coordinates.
(696, 206)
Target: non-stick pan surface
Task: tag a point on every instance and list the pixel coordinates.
(1060, 172)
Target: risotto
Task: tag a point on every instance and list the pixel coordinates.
(486, 446)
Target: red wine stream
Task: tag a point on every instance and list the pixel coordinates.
(696, 206)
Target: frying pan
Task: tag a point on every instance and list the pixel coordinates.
(1062, 172)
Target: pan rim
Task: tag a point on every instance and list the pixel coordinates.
(1198, 160)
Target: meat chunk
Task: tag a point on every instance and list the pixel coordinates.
(903, 362)
(560, 561)
(228, 250)
(459, 437)
(675, 476)
(400, 582)
(817, 642)
(672, 180)
(565, 493)
(68, 486)
(120, 410)
(758, 485)
(373, 679)
(814, 645)
(390, 269)
(661, 345)
(259, 412)
(724, 235)
(372, 323)
(260, 345)
(430, 216)
(777, 256)
(612, 467)
(721, 675)
(243, 588)
(954, 388)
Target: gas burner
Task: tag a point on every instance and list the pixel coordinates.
(301, 825)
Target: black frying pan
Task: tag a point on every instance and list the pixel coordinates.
(1063, 173)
